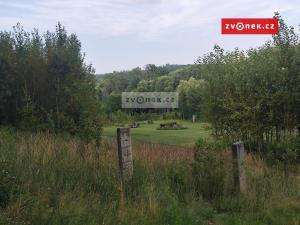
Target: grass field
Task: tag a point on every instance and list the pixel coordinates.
(149, 134)
(57, 180)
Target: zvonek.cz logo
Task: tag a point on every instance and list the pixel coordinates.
(149, 100)
(249, 25)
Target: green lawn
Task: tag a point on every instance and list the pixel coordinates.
(149, 133)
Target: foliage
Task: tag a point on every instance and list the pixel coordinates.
(153, 78)
(171, 126)
(45, 179)
(254, 95)
(208, 169)
(120, 117)
(45, 84)
(191, 97)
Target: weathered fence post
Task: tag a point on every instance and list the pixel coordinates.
(194, 118)
(239, 176)
(125, 153)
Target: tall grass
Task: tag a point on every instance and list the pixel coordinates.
(49, 179)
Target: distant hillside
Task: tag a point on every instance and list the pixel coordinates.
(168, 68)
(152, 78)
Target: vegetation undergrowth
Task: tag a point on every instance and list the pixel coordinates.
(54, 179)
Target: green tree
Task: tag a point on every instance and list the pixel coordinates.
(191, 97)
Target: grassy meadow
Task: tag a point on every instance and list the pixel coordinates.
(49, 179)
(148, 133)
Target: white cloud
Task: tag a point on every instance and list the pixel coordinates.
(145, 18)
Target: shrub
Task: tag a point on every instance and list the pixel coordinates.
(171, 126)
(120, 117)
(170, 116)
(150, 122)
(207, 126)
(177, 174)
(144, 116)
(208, 169)
(287, 152)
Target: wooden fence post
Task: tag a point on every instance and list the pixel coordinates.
(125, 153)
(239, 176)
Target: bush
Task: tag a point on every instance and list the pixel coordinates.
(144, 116)
(171, 126)
(120, 117)
(207, 126)
(208, 169)
(170, 116)
(287, 152)
(177, 174)
(4, 198)
(150, 122)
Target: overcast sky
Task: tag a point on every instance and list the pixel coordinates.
(123, 34)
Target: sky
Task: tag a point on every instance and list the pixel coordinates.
(124, 34)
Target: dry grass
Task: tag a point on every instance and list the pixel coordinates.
(72, 176)
(44, 147)
(151, 153)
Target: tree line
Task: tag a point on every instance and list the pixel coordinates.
(167, 78)
(45, 83)
(255, 95)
